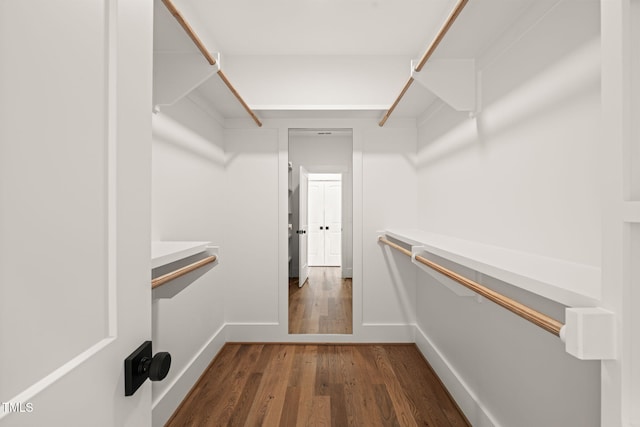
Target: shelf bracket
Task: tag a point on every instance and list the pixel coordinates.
(176, 74)
(454, 81)
(589, 333)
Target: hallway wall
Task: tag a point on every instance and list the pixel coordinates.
(522, 175)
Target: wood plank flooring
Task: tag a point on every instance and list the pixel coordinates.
(323, 305)
(318, 385)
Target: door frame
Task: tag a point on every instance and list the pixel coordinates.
(357, 126)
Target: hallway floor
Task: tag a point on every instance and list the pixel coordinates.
(323, 305)
(318, 385)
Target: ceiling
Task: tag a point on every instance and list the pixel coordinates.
(255, 28)
(322, 27)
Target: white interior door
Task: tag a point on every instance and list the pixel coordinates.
(325, 222)
(303, 264)
(333, 223)
(75, 296)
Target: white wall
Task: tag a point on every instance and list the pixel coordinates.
(251, 225)
(324, 154)
(188, 191)
(384, 193)
(389, 187)
(523, 175)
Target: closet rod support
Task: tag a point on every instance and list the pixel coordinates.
(208, 56)
(425, 57)
(537, 318)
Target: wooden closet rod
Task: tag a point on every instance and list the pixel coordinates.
(182, 271)
(432, 47)
(210, 59)
(396, 102)
(233, 90)
(539, 319)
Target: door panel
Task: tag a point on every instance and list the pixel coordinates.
(333, 220)
(325, 223)
(75, 295)
(46, 186)
(316, 220)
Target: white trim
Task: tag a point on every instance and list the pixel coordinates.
(347, 272)
(283, 229)
(273, 332)
(111, 138)
(616, 175)
(469, 403)
(165, 403)
(355, 127)
(357, 225)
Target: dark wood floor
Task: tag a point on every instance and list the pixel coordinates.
(318, 385)
(323, 305)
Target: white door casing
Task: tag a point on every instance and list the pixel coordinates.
(620, 169)
(75, 132)
(303, 227)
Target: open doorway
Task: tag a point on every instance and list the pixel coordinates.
(320, 237)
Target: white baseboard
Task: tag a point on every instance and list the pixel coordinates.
(253, 332)
(466, 399)
(274, 332)
(166, 403)
(386, 333)
(346, 272)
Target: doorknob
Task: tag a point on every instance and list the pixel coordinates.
(157, 367)
(321, 228)
(301, 231)
(327, 227)
(139, 366)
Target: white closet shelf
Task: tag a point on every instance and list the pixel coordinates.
(568, 283)
(166, 252)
